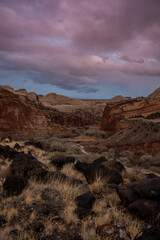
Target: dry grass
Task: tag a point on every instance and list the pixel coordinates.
(88, 230)
(120, 217)
(32, 193)
(97, 185)
(113, 199)
(4, 170)
(4, 233)
(69, 170)
(133, 174)
(9, 213)
(69, 213)
(106, 208)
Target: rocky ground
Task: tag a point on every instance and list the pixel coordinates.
(61, 177)
(64, 187)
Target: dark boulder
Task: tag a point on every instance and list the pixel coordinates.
(61, 161)
(26, 165)
(2, 221)
(84, 204)
(114, 165)
(7, 152)
(81, 166)
(38, 226)
(148, 188)
(145, 209)
(151, 175)
(17, 146)
(97, 170)
(142, 198)
(110, 231)
(14, 185)
(34, 144)
(150, 233)
(100, 160)
(127, 195)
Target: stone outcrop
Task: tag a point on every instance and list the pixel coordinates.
(115, 112)
(25, 113)
(142, 198)
(96, 169)
(18, 117)
(14, 185)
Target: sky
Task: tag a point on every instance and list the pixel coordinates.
(81, 48)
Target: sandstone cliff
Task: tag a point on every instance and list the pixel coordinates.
(18, 117)
(25, 113)
(114, 113)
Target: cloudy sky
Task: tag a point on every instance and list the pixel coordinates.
(81, 48)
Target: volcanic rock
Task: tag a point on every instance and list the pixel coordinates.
(14, 185)
(61, 161)
(28, 166)
(112, 232)
(150, 233)
(84, 204)
(97, 170)
(142, 198)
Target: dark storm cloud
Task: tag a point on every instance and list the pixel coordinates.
(74, 44)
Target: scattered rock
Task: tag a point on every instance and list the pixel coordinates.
(142, 198)
(34, 144)
(38, 226)
(17, 146)
(151, 175)
(7, 152)
(14, 185)
(26, 165)
(81, 166)
(100, 160)
(61, 161)
(150, 233)
(145, 208)
(113, 232)
(84, 204)
(97, 170)
(127, 195)
(114, 165)
(2, 221)
(148, 188)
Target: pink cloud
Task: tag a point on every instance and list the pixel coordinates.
(78, 43)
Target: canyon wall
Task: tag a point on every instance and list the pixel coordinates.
(114, 113)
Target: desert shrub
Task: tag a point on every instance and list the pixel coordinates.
(63, 135)
(73, 149)
(58, 146)
(95, 133)
(146, 160)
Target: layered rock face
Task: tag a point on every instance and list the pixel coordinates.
(18, 117)
(25, 113)
(114, 113)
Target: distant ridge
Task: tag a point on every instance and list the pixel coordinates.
(155, 94)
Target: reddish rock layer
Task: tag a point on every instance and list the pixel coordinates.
(115, 112)
(18, 117)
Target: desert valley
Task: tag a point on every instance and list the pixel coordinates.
(79, 169)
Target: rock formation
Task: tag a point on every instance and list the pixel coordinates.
(115, 112)
(25, 113)
(18, 117)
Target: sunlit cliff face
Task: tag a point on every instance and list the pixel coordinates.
(87, 47)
